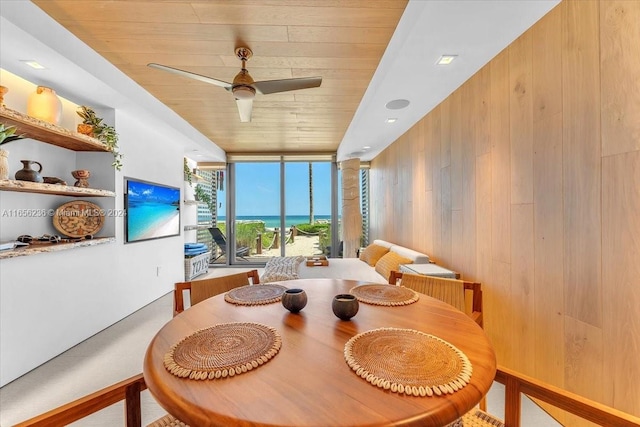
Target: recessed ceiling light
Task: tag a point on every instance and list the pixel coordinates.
(366, 147)
(33, 64)
(397, 104)
(446, 59)
(392, 120)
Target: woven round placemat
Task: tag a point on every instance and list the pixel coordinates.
(222, 350)
(255, 294)
(384, 295)
(408, 361)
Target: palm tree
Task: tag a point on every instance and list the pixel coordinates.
(311, 219)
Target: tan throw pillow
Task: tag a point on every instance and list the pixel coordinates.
(372, 253)
(390, 262)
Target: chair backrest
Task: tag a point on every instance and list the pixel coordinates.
(451, 291)
(516, 385)
(200, 290)
(218, 236)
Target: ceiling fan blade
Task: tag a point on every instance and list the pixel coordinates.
(245, 106)
(191, 75)
(274, 86)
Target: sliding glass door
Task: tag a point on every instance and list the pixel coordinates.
(280, 207)
(256, 226)
(308, 208)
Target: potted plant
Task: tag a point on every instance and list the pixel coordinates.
(202, 196)
(89, 120)
(7, 134)
(104, 133)
(188, 175)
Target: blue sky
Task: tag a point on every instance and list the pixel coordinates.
(258, 189)
(143, 191)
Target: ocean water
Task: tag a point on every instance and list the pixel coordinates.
(145, 219)
(272, 221)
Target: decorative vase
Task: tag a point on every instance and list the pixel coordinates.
(4, 164)
(29, 174)
(3, 92)
(85, 129)
(82, 177)
(345, 306)
(294, 300)
(45, 105)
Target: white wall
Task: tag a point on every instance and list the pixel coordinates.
(50, 302)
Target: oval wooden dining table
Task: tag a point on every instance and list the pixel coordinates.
(308, 382)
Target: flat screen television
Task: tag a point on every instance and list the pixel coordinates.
(153, 210)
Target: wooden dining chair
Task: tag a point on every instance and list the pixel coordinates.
(168, 421)
(200, 290)
(479, 418)
(451, 291)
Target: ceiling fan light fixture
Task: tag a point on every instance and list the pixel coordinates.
(243, 87)
(244, 92)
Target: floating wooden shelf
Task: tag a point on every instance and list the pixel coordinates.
(60, 190)
(191, 202)
(54, 247)
(58, 136)
(48, 133)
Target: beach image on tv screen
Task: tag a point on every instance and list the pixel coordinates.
(152, 211)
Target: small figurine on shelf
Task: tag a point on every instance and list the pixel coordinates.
(82, 176)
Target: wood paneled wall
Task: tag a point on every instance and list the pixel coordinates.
(527, 179)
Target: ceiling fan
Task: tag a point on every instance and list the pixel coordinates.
(243, 87)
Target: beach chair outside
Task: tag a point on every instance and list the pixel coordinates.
(221, 240)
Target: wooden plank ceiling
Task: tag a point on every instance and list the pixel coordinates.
(340, 40)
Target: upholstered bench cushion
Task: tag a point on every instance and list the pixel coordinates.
(289, 268)
(342, 268)
(414, 256)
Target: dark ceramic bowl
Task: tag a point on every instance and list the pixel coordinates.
(345, 306)
(294, 300)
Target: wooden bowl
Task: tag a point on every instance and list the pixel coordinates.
(81, 174)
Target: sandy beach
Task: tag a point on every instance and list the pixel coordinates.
(164, 228)
(302, 245)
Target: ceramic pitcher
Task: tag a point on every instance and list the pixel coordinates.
(29, 174)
